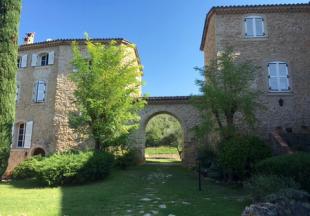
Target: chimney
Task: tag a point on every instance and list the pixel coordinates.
(29, 38)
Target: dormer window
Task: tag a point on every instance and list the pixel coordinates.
(43, 58)
(254, 26)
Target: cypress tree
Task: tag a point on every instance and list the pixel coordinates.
(9, 22)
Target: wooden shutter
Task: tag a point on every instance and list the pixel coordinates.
(41, 91)
(17, 92)
(13, 132)
(24, 61)
(28, 134)
(34, 60)
(272, 78)
(34, 91)
(51, 58)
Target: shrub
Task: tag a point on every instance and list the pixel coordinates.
(260, 186)
(129, 158)
(69, 168)
(238, 156)
(296, 166)
(27, 168)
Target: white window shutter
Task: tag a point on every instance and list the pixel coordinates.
(34, 92)
(24, 61)
(13, 131)
(17, 93)
(51, 57)
(41, 91)
(34, 60)
(28, 134)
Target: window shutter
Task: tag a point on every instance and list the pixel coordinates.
(44, 91)
(13, 132)
(28, 134)
(17, 93)
(40, 91)
(24, 61)
(34, 60)
(51, 58)
(34, 92)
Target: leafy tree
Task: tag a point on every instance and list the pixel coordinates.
(164, 130)
(227, 91)
(9, 21)
(107, 93)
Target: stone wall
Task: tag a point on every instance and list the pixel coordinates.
(287, 39)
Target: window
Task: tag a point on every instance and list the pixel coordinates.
(278, 76)
(19, 62)
(44, 59)
(17, 92)
(21, 135)
(254, 26)
(39, 91)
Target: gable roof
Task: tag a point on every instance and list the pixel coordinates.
(60, 42)
(241, 9)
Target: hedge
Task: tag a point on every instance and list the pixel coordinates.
(296, 166)
(66, 168)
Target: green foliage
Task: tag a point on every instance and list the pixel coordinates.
(27, 169)
(9, 21)
(67, 168)
(238, 155)
(296, 166)
(127, 159)
(226, 90)
(260, 186)
(107, 94)
(164, 130)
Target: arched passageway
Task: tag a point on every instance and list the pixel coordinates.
(163, 138)
(180, 108)
(38, 151)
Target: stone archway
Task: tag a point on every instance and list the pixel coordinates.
(180, 108)
(38, 151)
(164, 122)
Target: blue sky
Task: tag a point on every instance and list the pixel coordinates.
(166, 32)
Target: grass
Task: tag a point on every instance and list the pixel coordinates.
(140, 189)
(160, 150)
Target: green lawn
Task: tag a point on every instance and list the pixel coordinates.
(154, 189)
(160, 150)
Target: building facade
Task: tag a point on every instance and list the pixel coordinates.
(44, 97)
(277, 39)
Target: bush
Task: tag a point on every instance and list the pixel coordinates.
(27, 169)
(238, 156)
(296, 166)
(69, 168)
(262, 185)
(126, 160)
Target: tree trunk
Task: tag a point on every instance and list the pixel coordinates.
(9, 21)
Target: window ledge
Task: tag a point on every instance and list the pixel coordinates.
(15, 148)
(42, 66)
(39, 104)
(258, 38)
(288, 93)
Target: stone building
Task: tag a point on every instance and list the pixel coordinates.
(277, 39)
(44, 96)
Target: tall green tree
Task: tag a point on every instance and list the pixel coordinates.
(226, 90)
(9, 22)
(107, 93)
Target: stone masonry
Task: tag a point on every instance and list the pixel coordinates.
(286, 39)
